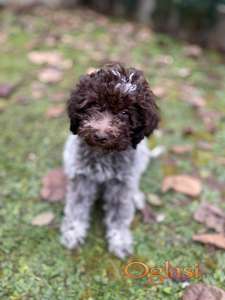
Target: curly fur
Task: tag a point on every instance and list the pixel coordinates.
(123, 92)
(110, 112)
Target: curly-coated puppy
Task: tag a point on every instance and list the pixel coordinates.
(110, 111)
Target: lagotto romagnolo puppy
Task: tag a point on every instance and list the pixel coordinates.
(111, 110)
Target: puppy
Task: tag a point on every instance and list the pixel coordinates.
(110, 111)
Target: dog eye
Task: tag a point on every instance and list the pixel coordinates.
(124, 113)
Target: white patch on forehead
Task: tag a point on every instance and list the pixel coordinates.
(125, 86)
(116, 73)
(131, 76)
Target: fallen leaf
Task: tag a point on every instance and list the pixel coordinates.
(215, 239)
(50, 75)
(196, 101)
(221, 160)
(193, 51)
(38, 89)
(188, 131)
(144, 34)
(211, 216)
(210, 119)
(3, 37)
(59, 97)
(54, 186)
(22, 8)
(154, 200)
(192, 95)
(51, 58)
(148, 215)
(163, 60)
(43, 219)
(204, 145)
(6, 90)
(181, 149)
(184, 184)
(215, 184)
(55, 112)
(184, 72)
(91, 70)
(202, 291)
(159, 91)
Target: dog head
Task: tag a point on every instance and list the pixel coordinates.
(113, 108)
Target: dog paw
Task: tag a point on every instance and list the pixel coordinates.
(120, 242)
(73, 234)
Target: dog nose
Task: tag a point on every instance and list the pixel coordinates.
(100, 136)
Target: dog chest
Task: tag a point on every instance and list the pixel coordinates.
(103, 167)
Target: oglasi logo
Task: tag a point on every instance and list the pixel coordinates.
(136, 269)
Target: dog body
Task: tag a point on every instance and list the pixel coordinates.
(110, 113)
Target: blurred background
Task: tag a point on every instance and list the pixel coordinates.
(45, 46)
(201, 21)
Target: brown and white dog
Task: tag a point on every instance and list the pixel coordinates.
(110, 111)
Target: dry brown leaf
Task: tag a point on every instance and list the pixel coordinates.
(201, 291)
(211, 216)
(59, 97)
(215, 184)
(193, 51)
(192, 95)
(55, 112)
(51, 58)
(91, 70)
(196, 101)
(215, 239)
(181, 149)
(54, 186)
(43, 219)
(184, 72)
(221, 160)
(210, 119)
(38, 89)
(163, 60)
(144, 34)
(184, 184)
(159, 91)
(204, 145)
(50, 75)
(6, 90)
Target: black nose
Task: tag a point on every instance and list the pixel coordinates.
(100, 137)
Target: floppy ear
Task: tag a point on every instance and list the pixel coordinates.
(74, 126)
(151, 113)
(137, 136)
(72, 113)
(147, 117)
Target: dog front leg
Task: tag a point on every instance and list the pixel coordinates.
(80, 196)
(119, 209)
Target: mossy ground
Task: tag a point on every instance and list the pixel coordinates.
(33, 264)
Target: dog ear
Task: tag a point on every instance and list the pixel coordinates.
(148, 117)
(137, 136)
(151, 114)
(74, 126)
(72, 113)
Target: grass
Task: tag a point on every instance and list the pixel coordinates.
(33, 264)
